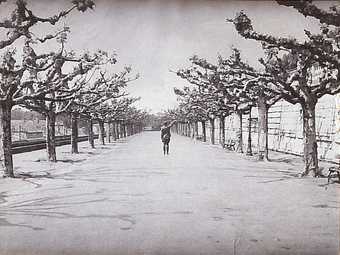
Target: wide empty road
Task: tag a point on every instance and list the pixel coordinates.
(127, 198)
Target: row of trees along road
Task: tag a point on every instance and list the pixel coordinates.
(233, 86)
(56, 82)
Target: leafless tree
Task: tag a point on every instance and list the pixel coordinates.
(18, 25)
(106, 87)
(291, 64)
(65, 79)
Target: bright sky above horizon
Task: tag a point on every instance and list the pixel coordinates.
(154, 36)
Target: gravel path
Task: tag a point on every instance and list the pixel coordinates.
(127, 198)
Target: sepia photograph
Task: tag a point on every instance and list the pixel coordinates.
(169, 127)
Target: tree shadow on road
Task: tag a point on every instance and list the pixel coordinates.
(80, 152)
(286, 160)
(72, 161)
(26, 177)
(5, 223)
(29, 175)
(57, 207)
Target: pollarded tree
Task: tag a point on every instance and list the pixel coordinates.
(189, 102)
(121, 114)
(18, 25)
(104, 88)
(257, 88)
(227, 90)
(66, 77)
(133, 120)
(200, 105)
(114, 110)
(15, 84)
(9, 77)
(206, 93)
(307, 8)
(291, 63)
(22, 19)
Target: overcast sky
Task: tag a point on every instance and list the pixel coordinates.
(154, 36)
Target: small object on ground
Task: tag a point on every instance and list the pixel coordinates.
(333, 171)
(230, 145)
(199, 137)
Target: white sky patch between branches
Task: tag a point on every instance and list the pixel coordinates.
(154, 36)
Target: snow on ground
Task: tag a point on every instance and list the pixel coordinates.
(127, 198)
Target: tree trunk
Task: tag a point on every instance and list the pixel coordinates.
(121, 130)
(239, 133)
(192, 130)
(127, 130)
(117, 130)
(192, 125)
(249, 148)
(196, 129)
(124, 130)
(310, 152)
(74, 133)
(101, 132)
(107, 129)
(262, 144)
(90, 130)
(212, 131)
(6, 139)
(114, 134)
(50, 137)
(204, 132)
(222, 131)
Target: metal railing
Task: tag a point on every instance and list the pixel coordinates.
(39, 144)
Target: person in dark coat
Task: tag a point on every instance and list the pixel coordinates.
(166, 135)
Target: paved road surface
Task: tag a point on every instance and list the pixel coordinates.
(127, 198)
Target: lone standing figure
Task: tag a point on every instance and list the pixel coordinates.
(166, 135)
